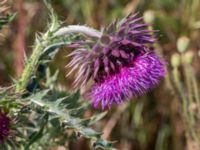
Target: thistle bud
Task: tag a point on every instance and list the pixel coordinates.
(182, 44)
(175, 60)
(149, 16)
(188, 57)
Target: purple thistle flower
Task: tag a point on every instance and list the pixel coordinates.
(4, 127)
(131, 81)
(121, 63)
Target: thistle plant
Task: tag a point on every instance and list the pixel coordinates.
(41, 110)
(119, 60)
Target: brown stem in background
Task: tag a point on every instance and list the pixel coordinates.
(20, 44)
(113, 121)
(131, 7)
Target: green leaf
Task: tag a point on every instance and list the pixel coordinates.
(37, 134)
(6, 19)
(97, 117)
(50, 51)
(89, 133)
(103, 144)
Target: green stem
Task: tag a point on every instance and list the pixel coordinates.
(196, 91)
(189, 90)
(177, 82)
(32, 62)
(29, 69)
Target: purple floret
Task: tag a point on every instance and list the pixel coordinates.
(131, 81)
(4, 127)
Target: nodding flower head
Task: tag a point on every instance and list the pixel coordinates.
(121, 62)
(4, 127)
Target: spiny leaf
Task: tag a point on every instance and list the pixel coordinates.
(97, 117)
(89, 133)
(50, 51)
(60, 107)
(37, 134)
(99, 143)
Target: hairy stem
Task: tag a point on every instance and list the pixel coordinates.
(78, 29)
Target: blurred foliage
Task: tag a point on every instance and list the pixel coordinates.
(166, 118)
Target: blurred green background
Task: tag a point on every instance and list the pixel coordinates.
(154, 121)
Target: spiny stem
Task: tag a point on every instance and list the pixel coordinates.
(29, 68)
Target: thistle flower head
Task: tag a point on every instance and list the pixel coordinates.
(4, 127)
(120, 62)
